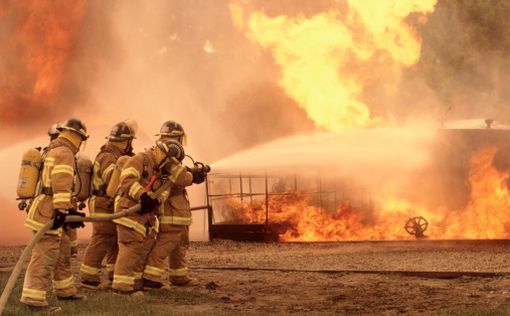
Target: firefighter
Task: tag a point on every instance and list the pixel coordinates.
(142, 175)
(51, 254)
(53, 133)
(172, 240)
(103, 242)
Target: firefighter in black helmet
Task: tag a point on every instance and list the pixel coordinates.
(50, 257)
(173, 236)
(103, 243)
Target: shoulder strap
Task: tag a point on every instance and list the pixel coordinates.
(145, 172)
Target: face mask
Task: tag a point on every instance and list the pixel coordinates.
(83, 146)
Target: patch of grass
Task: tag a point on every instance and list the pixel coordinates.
(475, 311)
(156, 302)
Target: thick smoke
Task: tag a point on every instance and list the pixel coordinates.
(187, 61)
(49, 55)
(465, 57)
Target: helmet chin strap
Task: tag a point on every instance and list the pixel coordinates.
(129, 148)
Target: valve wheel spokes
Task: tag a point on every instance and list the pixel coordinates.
(416, 226)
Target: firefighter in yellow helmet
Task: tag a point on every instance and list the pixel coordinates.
(173, 238)
(53, 133)
(103, 242)
(142, 175)
(51, 254)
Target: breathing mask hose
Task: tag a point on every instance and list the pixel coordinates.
(69, 219)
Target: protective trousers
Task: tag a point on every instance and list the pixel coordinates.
(73, 236)
(103, 244)
(130, 259)
(148, 244)
(166, 243)
(177, 262)
(51, 255)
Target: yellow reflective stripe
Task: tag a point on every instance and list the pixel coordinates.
(74, 243)
(152, 270)
(131, 170)
(127, 222)
(34, 206)
(63, 169)
(48, 161)
(123, 279)
(63, 284)
(62, 197)
(30, 223)
(89, 270)
(107, 171)
(97, 178)
(179, 272)
(100, 214)
(35, 226)
(34, 294)
(109, 267)
(164, 196)
(92, 204)
(116, 203)
(176, 220)
(135, 188)
(176, 175)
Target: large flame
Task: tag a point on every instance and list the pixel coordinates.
(40, 44)
(297, 218)
(326, 60)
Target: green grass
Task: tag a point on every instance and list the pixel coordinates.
(502, 310)
(155, 302)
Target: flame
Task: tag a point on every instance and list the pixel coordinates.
(328, 59)
(41, 46)
(296, 218)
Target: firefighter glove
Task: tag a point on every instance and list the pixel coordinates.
(59, 219)
(148, 204)
(72, 211)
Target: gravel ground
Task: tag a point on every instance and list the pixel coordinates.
(426, 255)
(263, 292)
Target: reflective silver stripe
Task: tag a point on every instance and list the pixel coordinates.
(63, 169)
(107, 171)
(153, 271)
(127, 222)
(179, 272)
(63, 284)
(89, 270)
(129, 171)
(176, 220)
(34, 294)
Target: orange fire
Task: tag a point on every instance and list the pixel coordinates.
(297, 218)
(41, 38)
(329, 59)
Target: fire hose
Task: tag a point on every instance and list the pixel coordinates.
(69, 219)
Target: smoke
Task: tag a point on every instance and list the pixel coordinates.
(466, 45)
(105, 61)
(48, 58)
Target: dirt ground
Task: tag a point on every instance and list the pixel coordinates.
(286, 278)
